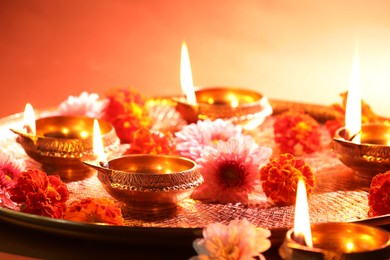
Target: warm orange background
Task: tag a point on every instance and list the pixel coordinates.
(291, 49)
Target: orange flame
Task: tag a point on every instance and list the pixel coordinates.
(29, 119)
(302, 231)
(353, 111)
(186, 81)
(98, 147)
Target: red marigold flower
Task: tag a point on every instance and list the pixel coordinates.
(146, 141)
(379, 195)
(94, 211)
(280, 178)
(297, 132)
(40, 194)
(126, 111)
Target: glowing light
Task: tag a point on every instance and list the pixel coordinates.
(302, 231)
(29, 119)
(186, 81)
(98, 147)
(353, 111)
(234, 103)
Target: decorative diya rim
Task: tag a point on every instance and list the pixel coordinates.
(237, 89)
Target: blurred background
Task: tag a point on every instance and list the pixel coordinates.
(298, 50)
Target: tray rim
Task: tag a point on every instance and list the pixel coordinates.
(173, 236)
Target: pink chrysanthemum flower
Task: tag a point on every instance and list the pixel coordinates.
(239, 240)
(193, 138)
(5, 201)
(10, 170)
(230, 170)
(83, 105)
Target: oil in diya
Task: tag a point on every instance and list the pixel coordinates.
(331, 240)
(62, 143)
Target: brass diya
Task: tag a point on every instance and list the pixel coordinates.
(371, 156)
(242, 106)
(62, 143)
(149, 182)
(339, 241)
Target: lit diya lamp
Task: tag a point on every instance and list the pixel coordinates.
(148, 182)
(243, 106)
(62, 143)
(362, 147)
(331, 240)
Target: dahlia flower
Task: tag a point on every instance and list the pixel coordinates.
(230, 170)
(379, 195)
(94, 211)
(10, 169)
(83, 105)
(40, 194)
(239, 240)
(297, 133)
(280, 178)
(194, 138)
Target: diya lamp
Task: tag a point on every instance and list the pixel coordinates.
(365, 148)
(331, 240)
(148, 182)
(242, 106)
(62, 143)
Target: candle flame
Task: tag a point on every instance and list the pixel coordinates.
(302, 231)
(353, 111)
(29, 119)
(98, 147)
(186, 81)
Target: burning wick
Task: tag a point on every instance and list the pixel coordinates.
(302, 231)
(352, 138)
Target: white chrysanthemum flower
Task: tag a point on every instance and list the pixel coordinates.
(239, 240)
(83, 105)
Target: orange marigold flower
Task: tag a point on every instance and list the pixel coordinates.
(368, 116)
(379, 195)
(151, 142)
(127, 112)
(280, 178)
(40, 194)
(94, 211)
(297, 132)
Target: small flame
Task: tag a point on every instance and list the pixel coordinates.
(187, 84)
(29, 119)
(98, 147)
(353, 111)
(302, 231)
